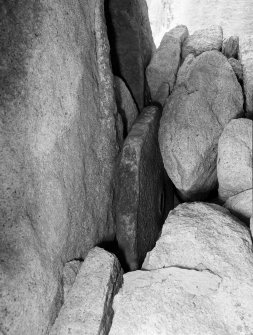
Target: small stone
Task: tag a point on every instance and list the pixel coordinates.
(144, 194)
(246, 58)
(237, 67)
(203, 40)
(88, 307)
(162, 71)
(241, 205)
(234, 164)
(230, 47)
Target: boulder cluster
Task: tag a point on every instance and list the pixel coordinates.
(185, 159)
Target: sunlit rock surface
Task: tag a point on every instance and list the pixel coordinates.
(234, 16)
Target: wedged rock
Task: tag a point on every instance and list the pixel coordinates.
(230, 47)
(125, 104)
(199, 279)
(246, 58)
(57, 127)
(241, 205)
(234, 164)
(162, 71)
(203, 40)
(237, 67)
(70, 271)
(206, 97)
(131, 44)
(144, 194)
(88, 306)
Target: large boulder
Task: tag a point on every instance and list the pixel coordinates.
(230, 47)
(206, 97)
(234, 165)
(144, 194)
(88, 307)
(131, 44)
(162, 71)
(246, 58)
(199, 278)
(58, 148)
(203, 40)
(125, 104)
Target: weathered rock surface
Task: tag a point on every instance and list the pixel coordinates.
(246, 58)
(206, 97)
(237, 67)
(88, 307)
(131, 44)
(162, 71)
(58, 148)
(125, 104)
(241, 205)
(199, 279)
(144, 194)
(234, 165)
(70, 271)
(230, 47)
(203, 40)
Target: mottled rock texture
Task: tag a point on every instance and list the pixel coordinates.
(246, 58)
(88, 307)
(144, 194)
(199, 279)
(58, 147)
(70, 271)
(162, 71)
(206, 97)
(125, 104)
(131, 44)
(203, 40)
(230, 47)
(234, 165)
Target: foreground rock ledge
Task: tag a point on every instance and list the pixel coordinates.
(88, 307)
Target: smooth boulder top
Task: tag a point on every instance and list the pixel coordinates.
(203, 40)
(234, 164)
(206, 97)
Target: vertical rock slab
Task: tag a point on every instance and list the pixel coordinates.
(162, 71)
(58, 147)
(125, 104)
(131, 44)
(203, 40)
(230, 47)
(143, 192)
(246, 58)
(88, 307)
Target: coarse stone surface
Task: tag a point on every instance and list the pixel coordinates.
(70, 271)
(58, 148)
(144, 194)
(162, 71)
(203, 40)
(131, 44)
(246, 58)
(241, 205)
(206, 97)
(88, 307)
(230, 47)
(125, 104)
(234, 164)
(237, 67)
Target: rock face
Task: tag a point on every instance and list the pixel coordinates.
(125, 104)
(142, 190)
(88, 308)
(237, 67)
(203, 40)
(246, 58)
(58, 141)
(162, 71)
(199, 279)
(70, 271)
(206, 97)
(241, 205)
(131, 44)
(230, 47)
(234, 166)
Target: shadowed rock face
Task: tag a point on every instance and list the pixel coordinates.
(59, 143)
